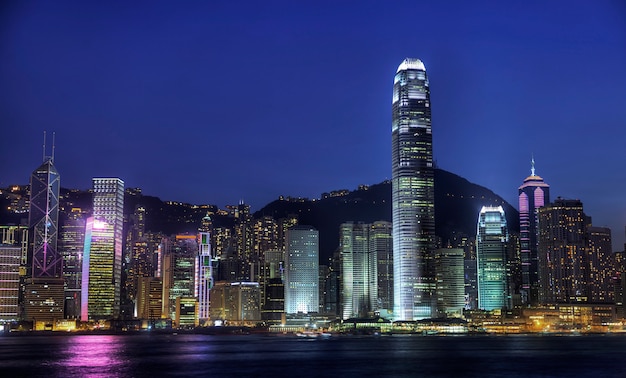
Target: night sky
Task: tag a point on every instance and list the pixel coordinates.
(219, 101)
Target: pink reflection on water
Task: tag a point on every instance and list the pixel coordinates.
(93, 356)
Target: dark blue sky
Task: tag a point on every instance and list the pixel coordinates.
(213, 102)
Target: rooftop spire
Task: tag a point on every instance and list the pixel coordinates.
(53, 137)
(532, 165)
(43, 154)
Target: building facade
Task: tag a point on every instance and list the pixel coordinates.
(564, 275)
(102, 254)
(10, 262)
(450, 281)
(491, 258)
(43, 296)
(302, 270)
(381, 243)
(71, 244)
(180, 253)
(204, 276)
(533, 194)
(601, 265)
(359, 271)
(413, 195)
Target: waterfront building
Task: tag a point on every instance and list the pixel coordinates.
(13, 236)
(237, 303)
(491, 258)
(381, 244)
(265, 239)
(102, 254)
(180, 253)
(533, 194)
(449, 263)
(413, 195)
(186, 312)
(601, 265)
(149, 301)
(204, 276)
(332, 286)
(71, 244)
(562, 252)
(44, 298)
(302, 270)
(10, 262)
(359, 271)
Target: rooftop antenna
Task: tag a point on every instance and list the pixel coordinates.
(43, 155)
(52, 157)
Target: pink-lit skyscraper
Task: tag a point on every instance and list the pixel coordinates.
(533, 194)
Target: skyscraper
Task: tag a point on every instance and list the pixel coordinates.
(10, 258)
(43, 297)
(179, 270)
(302, 270)
(533, 194)
(359, 271)
(601, 264)
(102, 256)
(450, 281)
(204, 276)
(563, 274)
(381, 244)
(491, 251)
(413, 194)
(71, 244)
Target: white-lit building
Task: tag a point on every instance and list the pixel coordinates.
(302, 270)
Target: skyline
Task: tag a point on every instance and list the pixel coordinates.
(164, 86)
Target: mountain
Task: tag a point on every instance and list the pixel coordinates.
(457, 204)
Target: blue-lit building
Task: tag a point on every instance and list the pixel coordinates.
(491, 258)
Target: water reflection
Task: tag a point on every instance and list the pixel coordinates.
(96, 356)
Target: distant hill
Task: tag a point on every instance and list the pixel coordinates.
(457, 204)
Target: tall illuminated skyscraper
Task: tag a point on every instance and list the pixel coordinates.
(491, 258)
(71, 244)
(302, 270)
(43, 296)
(533, 194)
(204, 280)
(102, 256)
(381, 244)
(413, 194)
(179, 270)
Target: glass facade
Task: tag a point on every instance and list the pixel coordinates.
(43, 221)
(491, 251)
(302, 270)
(563, 266)
(359, 271)
(71, 244)
(103, 250)
(413, 196)
(533, 194)
(205, 275)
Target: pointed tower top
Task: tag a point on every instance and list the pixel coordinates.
(532, 165)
